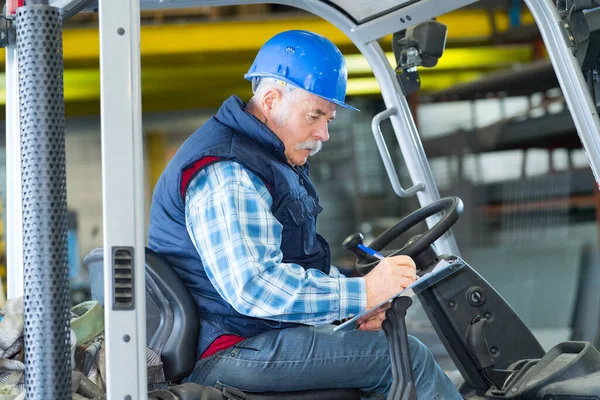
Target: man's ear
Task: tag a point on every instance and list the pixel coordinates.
(269, 99)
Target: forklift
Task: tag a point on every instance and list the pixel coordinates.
(145, 304)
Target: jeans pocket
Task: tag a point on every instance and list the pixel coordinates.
(247, 351)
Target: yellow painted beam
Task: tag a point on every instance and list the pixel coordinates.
(429, 82)
(193, 80)
(474, 24)
(459, 58)
(174, 40)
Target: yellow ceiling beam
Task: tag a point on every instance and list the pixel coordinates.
(459, 58)
(82, 44)
(429, 82)
(189, 80)
(476, 24)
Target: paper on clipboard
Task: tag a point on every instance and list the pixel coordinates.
(443, 269)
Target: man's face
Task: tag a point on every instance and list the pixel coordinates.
(301, 124)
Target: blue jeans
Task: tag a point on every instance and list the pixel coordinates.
(309, 357)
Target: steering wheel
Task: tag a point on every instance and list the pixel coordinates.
(453, 206)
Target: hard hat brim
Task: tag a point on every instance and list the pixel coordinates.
(289, 82)
(339, 103)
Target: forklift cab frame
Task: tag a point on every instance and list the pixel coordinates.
(122, 155)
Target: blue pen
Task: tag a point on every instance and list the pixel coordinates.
(371, 252)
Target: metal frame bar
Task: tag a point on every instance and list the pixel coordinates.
(123, 193)
(570, 78)
(405, 17)
(14, 204)
(70, 8)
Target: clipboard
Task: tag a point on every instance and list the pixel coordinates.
(443, 269)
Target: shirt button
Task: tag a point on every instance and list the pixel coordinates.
(302, 181)
(351, 315)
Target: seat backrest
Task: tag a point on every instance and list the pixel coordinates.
(172, 322)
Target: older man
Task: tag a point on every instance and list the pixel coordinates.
(235, 214)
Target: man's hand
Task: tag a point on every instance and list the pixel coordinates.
(374, 322)
(389, 277)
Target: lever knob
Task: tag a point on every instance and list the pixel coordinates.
(351, 244)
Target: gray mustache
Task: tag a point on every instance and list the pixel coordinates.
(313, 145)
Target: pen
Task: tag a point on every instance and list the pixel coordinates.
(371, 252)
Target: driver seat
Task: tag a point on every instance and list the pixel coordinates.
(172, 327)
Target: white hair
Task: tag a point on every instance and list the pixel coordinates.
(288, 93)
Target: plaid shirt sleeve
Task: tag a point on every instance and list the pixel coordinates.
(229, 219)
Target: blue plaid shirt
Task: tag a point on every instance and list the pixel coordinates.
(228, 217)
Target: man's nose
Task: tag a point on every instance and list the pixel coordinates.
(322, 132)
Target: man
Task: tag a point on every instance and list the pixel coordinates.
(235, 214)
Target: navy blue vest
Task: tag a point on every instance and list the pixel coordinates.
(234, 134)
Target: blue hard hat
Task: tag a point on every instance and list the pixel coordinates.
(305, 60)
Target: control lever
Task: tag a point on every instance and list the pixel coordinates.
(477, 343)
(352, 242)
(394, 326)
(479, 349)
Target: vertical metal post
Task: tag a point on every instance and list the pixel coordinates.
(14, 212)
(408, 137)
(123, 200)
(44, 201)
(570, 78)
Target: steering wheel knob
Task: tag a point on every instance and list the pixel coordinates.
(352, 241)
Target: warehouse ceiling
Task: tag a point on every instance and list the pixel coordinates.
(195, 58)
